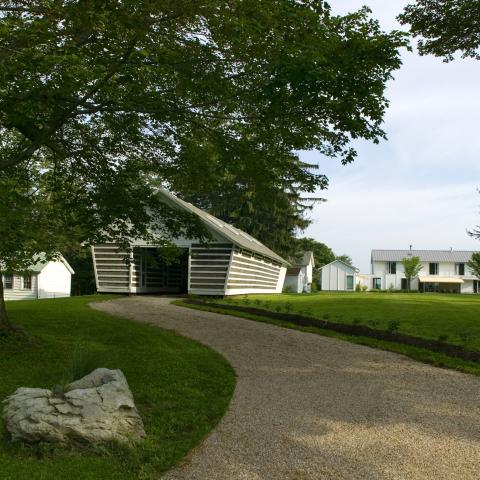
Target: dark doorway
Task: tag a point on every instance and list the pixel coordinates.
(154, 273)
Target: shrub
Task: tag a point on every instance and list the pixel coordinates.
(81, 363)
(278, 308)
(288, 290)
(358, 287)
(393, 325)
(314, 287)
(364, 288)
(375, 290)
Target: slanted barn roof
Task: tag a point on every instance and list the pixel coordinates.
(235, 235)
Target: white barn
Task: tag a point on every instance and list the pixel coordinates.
(299, 278)
(45, 279)
(338, 276)
(233, 263)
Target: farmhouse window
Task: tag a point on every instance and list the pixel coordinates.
(433, 268)
(377, 283)
(459, 269)
(8, 282)
(349, 282)
(392, 267)
(27, 282)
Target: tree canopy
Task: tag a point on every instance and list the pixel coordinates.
(447, 27)
(102, 102)
(474, 264)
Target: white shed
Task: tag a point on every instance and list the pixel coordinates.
(46, 279)
(338, 276)
(299, 278)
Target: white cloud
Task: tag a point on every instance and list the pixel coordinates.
(357, 219)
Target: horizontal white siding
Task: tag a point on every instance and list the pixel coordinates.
(18, 292)
(112, 272)
(208, 268)
(252, 273)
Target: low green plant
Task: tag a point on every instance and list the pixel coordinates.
(257, 302)
(393, 326)
(288, 290)
(442, 338)
(364, 288)
(374, 323)
(81, 363)
(358, 287)
(357, 320)
(288, 307)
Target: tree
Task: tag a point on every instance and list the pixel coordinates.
(100, 102)
(345, 259)
(447, 26)
(474, 264)
(411, 268)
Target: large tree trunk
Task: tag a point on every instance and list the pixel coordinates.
(5, 325)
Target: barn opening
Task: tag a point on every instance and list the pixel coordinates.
(153, 273)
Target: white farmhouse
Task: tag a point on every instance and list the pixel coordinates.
(46, 279)
(299, 277)
(338, 276)
(442, 271)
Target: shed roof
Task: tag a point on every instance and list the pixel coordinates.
(41, 262)
(235, 235)
(343, 263)
(455, 256)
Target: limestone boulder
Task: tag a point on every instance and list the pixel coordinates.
(97, 408)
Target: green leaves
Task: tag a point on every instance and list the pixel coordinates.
(447, 27)
(101, 102)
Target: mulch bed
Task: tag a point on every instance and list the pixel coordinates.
(359, 330)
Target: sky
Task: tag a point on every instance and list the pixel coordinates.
(419, 187)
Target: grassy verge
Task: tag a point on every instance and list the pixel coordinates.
(181, 388)
(453, 319)
(419, 354)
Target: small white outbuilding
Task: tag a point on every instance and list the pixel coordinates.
(299, 277)
(45, 279)
(338, 276)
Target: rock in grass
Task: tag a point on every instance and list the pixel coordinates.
(97, 408)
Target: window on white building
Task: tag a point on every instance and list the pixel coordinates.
(349, 282)
(433, 268)
(459, 269)
(377, 283)
(8, 282)
(27, 282)
(392, 267)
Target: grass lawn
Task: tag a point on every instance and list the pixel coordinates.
(181, 389)
(451, 318)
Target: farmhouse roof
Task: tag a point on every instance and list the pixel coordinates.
(235, 235)
(455, 256)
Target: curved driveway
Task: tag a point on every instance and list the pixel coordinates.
(311, 407)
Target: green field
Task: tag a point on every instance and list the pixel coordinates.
(451, 318)
(181, 388)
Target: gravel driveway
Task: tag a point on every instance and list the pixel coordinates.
(310, 407)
